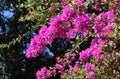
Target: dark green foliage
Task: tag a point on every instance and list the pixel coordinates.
(28, 17)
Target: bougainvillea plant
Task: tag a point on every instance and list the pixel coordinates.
(81, 20)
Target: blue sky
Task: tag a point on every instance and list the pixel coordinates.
(7, 14)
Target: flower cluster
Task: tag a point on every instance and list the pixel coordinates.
(60, 27)
(95, 50)
(104, 23)
(84, 25)
(70, 24)
(43, 73)
(89, 68)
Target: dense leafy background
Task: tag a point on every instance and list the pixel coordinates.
(27, 16)
(16, 31)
